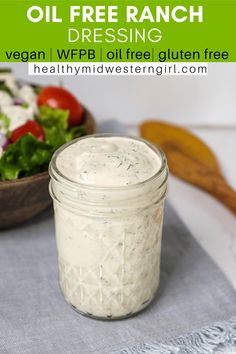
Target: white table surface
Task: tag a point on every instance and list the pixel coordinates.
(211, 224)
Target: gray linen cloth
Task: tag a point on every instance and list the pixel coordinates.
(34, 318)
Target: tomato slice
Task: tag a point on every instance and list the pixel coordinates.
(58, 97)
(30, 126)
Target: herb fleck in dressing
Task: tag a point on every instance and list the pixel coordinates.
(108, 162)
(109, 240)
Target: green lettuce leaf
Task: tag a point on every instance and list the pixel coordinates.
(29, 155)
(5, 88)
(75, 132)
(25, 157)
(37, 89)
(55, 125)
(4, 123)
(48, 117)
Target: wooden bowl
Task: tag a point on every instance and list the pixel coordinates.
(23, 198)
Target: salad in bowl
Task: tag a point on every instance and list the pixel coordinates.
(34, 122)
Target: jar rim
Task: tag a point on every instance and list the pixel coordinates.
(55, 172)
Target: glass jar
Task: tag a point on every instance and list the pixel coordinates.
(109, 241)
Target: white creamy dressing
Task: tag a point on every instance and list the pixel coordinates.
(27, 94)
(10, 81)
(108, 162)
(109, 266)
(17, 114)
(5, 99)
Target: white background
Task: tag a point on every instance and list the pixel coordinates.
(183, 100)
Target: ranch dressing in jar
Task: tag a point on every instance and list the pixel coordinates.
(108, 194)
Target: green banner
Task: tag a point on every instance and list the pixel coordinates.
(119, 31)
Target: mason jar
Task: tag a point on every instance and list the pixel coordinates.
(109, 237)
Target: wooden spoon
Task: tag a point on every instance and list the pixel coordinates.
(191, 159)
